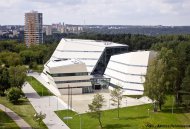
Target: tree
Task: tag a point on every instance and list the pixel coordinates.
(116, 97)
(10, 58)
(95, 107)
(4, 80)
(13, 94)
(161, 76)
(186, 87)
(38, 117)
(17, 76)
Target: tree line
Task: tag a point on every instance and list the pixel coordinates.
(169, 73)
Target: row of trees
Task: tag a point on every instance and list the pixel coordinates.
(169, 73)
(13, 53)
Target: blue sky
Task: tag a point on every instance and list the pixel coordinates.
(105, 12)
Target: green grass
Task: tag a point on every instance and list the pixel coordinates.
(6, 122)
(25, 110)
(38, 87)
(135, 117)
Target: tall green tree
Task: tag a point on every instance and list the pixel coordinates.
(17, 76)
(116, 97)
(4, 80)
(95, 107)
(10, 59)
(185, 87)
(161, 76)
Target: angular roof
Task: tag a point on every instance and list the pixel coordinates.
(87, 51)
(58, 63)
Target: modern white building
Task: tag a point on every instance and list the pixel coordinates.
(128, 71)
(87, 65)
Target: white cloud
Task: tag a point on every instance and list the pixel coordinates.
(148, 12)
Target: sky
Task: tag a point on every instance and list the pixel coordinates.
(99, 12)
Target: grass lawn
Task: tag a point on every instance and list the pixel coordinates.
(24, 110)
(135, 117)
(6, 122)
(38, 87)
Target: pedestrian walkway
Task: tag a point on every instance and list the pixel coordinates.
(18, 120)
(46, 105)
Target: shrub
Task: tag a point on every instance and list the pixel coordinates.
(13, 94)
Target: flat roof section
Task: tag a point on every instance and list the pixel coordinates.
(57, 63)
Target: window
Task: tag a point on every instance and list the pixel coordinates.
(68, 74)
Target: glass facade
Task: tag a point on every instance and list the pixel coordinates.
(105, 57)
(67, 74)
(72, 81)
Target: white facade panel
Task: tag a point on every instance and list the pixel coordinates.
(77, 55)
(90, 62)
(139, 57)
(89, 69)
(127, 69)
(124, 77)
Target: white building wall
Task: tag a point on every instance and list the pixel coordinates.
(128, 71)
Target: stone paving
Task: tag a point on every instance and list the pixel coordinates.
(80, 102)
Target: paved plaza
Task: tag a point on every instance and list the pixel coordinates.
(80, 102)
(46, 105)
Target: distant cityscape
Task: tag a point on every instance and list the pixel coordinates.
(33, 31)
(15, 30)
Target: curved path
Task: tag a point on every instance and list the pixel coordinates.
(16, 118)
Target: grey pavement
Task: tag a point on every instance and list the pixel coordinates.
(18, 120)
(46, 105)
